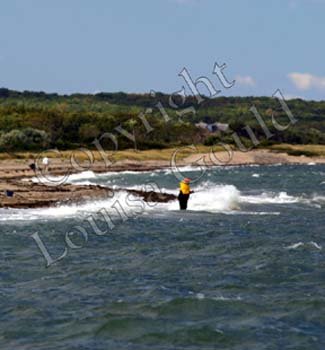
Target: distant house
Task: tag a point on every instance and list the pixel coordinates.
(201, 125)
(214, 127)
(222, 126)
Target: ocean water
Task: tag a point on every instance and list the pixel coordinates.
(243, 268)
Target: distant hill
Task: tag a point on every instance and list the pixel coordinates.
(33, 120)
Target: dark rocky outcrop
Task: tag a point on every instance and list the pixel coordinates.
(31, 195)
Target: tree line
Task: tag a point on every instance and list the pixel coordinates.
(39, 120)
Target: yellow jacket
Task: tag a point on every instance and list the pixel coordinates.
(184, 188)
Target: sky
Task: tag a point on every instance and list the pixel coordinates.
(88, 46)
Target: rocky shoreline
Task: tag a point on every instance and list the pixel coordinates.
(16, 177)
(28, 195)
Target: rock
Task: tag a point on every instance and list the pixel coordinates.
(31, 195)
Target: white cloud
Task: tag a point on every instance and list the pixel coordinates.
(245, 80)
(306, 81)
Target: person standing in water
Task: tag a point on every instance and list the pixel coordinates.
(184, 193)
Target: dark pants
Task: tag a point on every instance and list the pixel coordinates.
(183, 198)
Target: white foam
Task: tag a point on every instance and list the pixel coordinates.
(200, 296)
(90, 175)
(237, 212)
(270, 198)
(295, 245)
(78, 210)
(207, 196)
(301, 244)
(222, 298)
(318, 198)
(316, 245)
(212, 198)
(85, 175)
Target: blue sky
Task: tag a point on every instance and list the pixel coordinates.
(71, 46)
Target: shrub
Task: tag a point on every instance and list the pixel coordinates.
(25, 139)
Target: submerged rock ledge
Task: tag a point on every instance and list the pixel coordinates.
(30, 195)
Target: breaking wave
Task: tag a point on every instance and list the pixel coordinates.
(207, 197)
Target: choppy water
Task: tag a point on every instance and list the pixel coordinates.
(243, 269)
